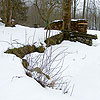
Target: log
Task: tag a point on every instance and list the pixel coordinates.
(79, 25)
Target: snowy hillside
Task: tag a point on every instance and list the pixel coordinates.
(82, 62)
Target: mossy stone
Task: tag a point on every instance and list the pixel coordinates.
(40, 49)
(25, 63)
(57, 39)
(22, 51)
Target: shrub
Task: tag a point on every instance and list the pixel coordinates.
(47, 69)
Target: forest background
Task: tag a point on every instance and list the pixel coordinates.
(42, 12)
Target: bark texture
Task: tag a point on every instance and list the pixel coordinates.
(66, 14)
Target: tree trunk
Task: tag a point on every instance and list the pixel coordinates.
(74, 9)
(9, 12)
(83, 16)
(4, 11)
(87, 10)
(66, 14)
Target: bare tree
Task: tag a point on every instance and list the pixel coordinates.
(93, 14)
(74, 9)
(45, 8)
(7, 12)
(84, 6)
(13, 9)
(87, 9)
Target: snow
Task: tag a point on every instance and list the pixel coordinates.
(57, 20)
(82, 62)
(71, 20)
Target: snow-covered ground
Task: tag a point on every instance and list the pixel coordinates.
(82, 61)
